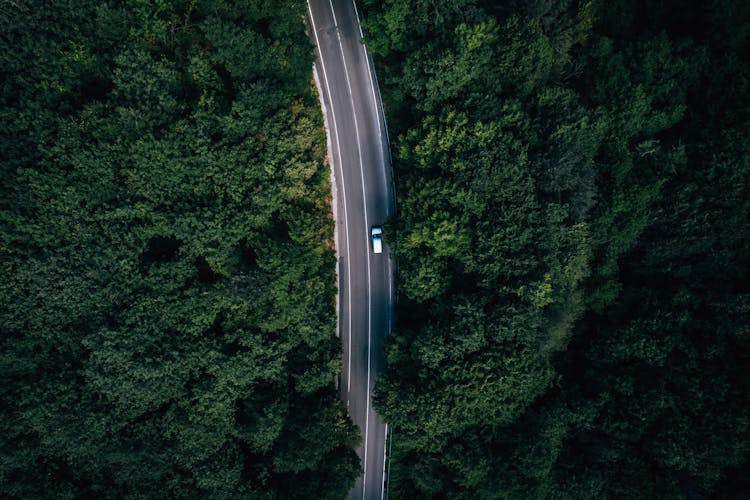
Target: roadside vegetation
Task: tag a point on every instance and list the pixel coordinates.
(167, 323)
(573, 243)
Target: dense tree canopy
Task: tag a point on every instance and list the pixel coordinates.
(572, 236)
(167, 284)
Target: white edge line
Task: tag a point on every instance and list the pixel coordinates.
(358, 25)
(334, 200)
(381, 122)
(385, 449)
(343, 194)
(372, 85)
(390, 455)
(367, 225)
(380, 126)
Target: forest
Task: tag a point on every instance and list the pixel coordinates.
(167, 287)
(573, 241)
(572, 235)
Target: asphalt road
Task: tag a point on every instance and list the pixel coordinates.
(358, 148)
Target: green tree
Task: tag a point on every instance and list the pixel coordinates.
(167, 322)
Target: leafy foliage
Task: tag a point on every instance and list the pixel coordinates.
(167, 276)
(572, 245)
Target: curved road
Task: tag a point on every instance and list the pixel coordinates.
(358, 148)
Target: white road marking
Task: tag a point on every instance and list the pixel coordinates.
(343, 193)
(378, 111)
(370, 69)
(372, 86)
(367, 225)
(390, 454)
(390, 296)
(385, 439)
(364, 195)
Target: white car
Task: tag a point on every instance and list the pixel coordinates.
(377, 240)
